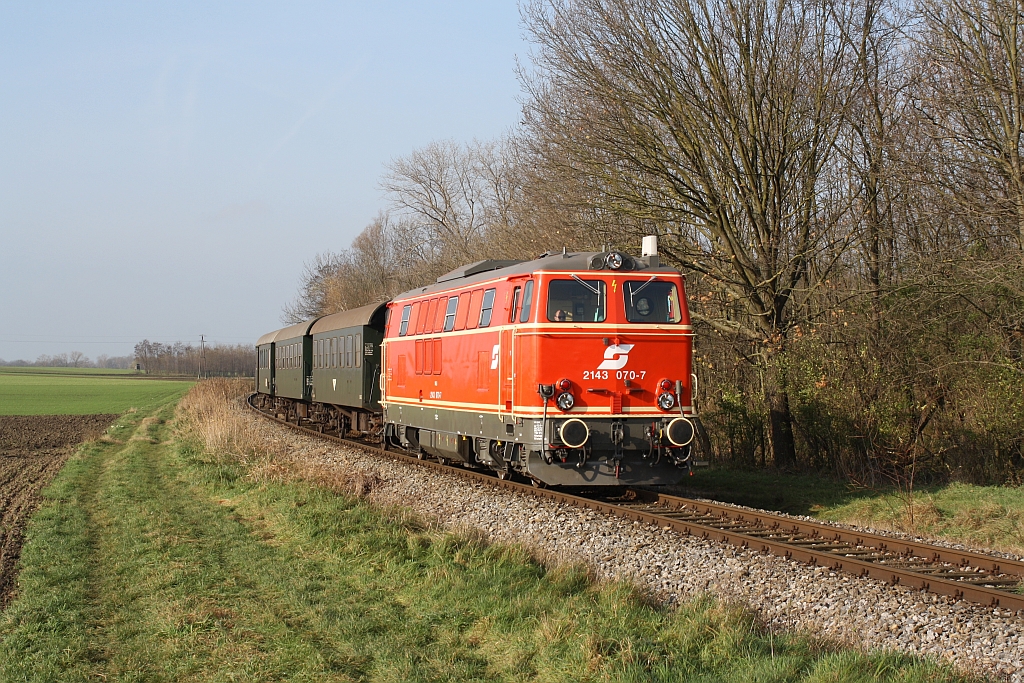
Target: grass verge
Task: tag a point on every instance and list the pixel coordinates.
(155, 558)
(979, 516)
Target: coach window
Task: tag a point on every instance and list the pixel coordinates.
(406, 312)
(359, 350)
(487, 307)
(524, 315)
(576, 300)
(348, 351)
(449, 314)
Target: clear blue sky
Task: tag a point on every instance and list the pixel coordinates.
(166, 168)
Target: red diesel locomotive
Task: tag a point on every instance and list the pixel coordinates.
(573, 369)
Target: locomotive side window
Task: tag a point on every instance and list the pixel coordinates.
(487, 307)
(576, 300)
(650, 301)
(524, 315)
(449, 314)
(463, 311)
(406, 312)
(473, 314)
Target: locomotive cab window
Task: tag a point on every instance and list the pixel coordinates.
(524, 314)
(651, 301)
(515, 304)
(576, 300)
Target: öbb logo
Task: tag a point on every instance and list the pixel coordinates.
(615, 357)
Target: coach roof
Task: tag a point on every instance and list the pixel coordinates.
(482, 271)
(356, 317)
(290, 332)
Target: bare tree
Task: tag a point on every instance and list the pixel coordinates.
(314, 289)
(715, 122)
(77, 359)
(454, 200)
(972, 95)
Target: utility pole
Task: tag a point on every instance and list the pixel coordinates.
(202, 354)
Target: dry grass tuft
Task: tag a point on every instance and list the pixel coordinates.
(213, 412)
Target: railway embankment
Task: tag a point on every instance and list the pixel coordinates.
(787, 595)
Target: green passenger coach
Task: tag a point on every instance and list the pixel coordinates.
(293, 349)
(265, 363)
(346, 359)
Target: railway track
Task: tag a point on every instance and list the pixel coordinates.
(979, 578)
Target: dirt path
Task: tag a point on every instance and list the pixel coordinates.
(32, 450)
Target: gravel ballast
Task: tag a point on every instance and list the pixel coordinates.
(788, 595)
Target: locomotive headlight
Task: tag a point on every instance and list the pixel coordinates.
(666, 401)
(614, 260)
(566, 401)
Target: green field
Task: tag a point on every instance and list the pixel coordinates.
(68, 391)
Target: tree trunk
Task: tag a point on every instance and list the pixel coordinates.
(781, 422)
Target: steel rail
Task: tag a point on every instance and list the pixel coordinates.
(764, 532)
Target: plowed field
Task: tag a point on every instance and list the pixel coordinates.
(32, 450)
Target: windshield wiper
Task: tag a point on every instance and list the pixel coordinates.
(633, 293)
(593, 289)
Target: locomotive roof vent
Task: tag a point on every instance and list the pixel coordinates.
(475, 269)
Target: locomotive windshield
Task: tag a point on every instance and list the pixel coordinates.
(650, 301)
(576, 300)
